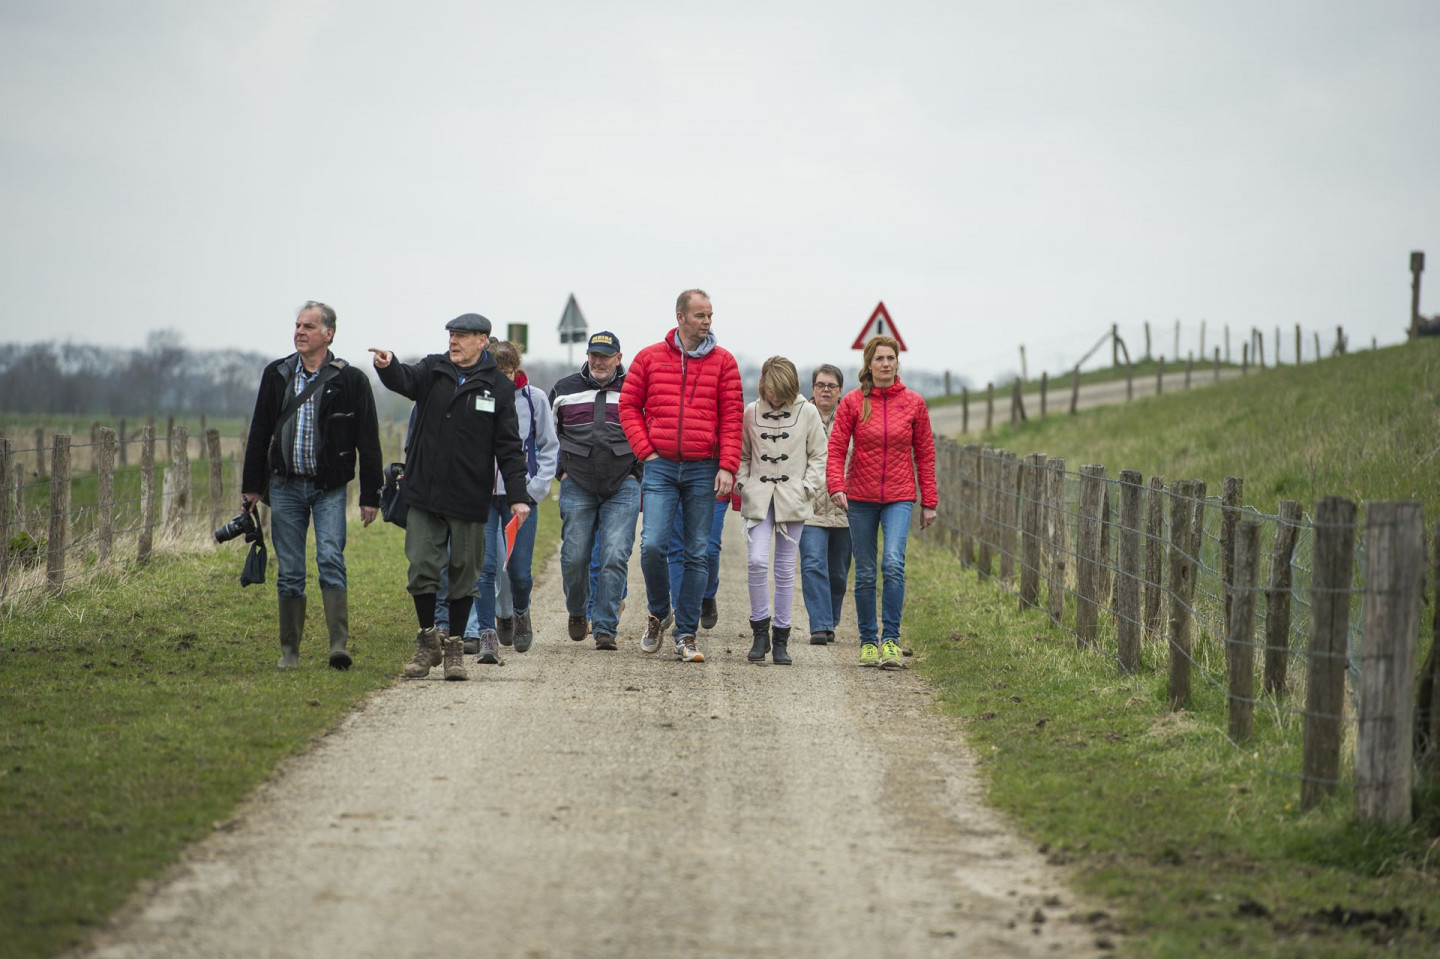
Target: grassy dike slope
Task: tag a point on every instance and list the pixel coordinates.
(136, 714)
(1198, 845)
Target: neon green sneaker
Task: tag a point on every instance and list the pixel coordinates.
(890, 655)
(869, 654)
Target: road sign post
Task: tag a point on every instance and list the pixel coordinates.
(573, 328)
(879, 324)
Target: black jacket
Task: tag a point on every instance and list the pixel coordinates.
(593, 449)
(461, 432)
(345, 422)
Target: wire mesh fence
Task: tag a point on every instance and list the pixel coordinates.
(1308, 625)
(71, 511)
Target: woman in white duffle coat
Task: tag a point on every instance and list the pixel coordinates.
(782, 463)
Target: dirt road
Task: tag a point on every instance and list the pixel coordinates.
(947, 420)
(584, 803)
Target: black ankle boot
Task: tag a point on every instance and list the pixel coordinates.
(761, 629)
(781, 638)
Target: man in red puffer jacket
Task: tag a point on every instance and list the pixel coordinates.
(683, 410)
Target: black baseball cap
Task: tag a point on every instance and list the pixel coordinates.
(605, 343)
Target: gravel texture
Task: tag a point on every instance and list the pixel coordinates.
(575, 802)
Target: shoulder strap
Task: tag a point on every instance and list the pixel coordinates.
(326, 373)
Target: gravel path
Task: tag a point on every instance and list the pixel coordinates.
(584, 803)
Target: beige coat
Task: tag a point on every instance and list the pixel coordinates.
(826, 513)
(782, 461)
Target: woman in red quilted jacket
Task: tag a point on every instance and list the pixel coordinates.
(894, 453)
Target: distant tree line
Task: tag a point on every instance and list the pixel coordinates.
(163, 377)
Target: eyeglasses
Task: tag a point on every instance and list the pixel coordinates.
(825, 386)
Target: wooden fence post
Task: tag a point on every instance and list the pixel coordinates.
(969, 490)
(121, 436)
(1044, 388)
(1033, 492)
(964, 409)
(1127, 580)
(1189, 367)
(1385, 737)
(1182, 589)
(1317, 346)
(1297, 344)
(989, 406)
(1244, 359)
(1160, 375)
(1147, 339)
(6, 470)
(1058, 541)
(1197, 522)
(1217, 364)
(59, 511)
(1075, 391)
(1087, 551)
(105, 496)
(1277, 598)
(988, 474)
(217, 478)
(1232, 492)
(1331, 557)
(1429, 711)
(1006, 501)
(1155, 558)
(1015, 408)
(1240, 631)
(39, 451)
(147, 494)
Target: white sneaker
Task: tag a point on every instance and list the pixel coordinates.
(654, 629)
(686, 651)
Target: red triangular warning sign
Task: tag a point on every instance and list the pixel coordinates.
(879, 324)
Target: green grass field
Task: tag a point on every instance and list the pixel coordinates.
(137, 712)
(1197, 844)
(1364, 426)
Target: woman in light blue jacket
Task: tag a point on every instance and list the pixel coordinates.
(500, 615)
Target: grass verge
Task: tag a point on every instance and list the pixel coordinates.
(1364, 426)
(1197, 845)
(135, 714)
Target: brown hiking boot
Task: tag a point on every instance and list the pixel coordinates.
(505, 630)
(455, 659)
(577, 627)
(427, 654)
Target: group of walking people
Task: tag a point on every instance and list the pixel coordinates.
(667, 442)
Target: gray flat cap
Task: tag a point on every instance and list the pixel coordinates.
(469, 323)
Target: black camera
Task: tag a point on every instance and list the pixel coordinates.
(242, 525)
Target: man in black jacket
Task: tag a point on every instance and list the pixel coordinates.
(599, 488)
(305, 454)
(465, 426)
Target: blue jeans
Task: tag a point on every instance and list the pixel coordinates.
(520, 577)
(294, 501)
(824, 564)
(595, 578)
(867, 522)
(676, 556)
(689, 487)
(590, 524)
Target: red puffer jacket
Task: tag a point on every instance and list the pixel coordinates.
(684, 407)
(889, 449)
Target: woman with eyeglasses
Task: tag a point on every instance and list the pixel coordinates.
(782, 464)
(825, 542)
(884, 427)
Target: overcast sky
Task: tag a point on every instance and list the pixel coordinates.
(998, 173)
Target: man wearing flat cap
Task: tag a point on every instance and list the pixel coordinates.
(599, 488)
(465, 427)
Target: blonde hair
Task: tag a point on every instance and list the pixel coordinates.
(867, 379)
(779, 378)
(506, 355)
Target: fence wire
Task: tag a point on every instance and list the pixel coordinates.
(985, 502)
